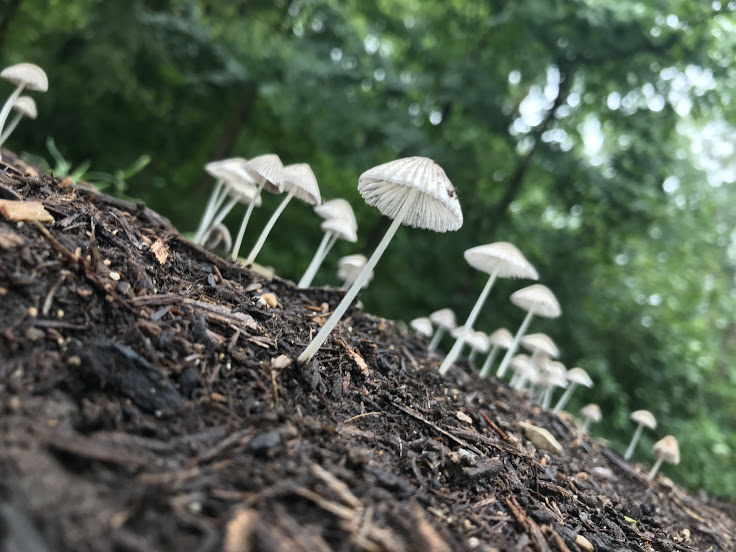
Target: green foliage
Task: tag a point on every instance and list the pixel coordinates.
(635, 236)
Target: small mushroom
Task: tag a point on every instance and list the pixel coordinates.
(500, 259)
(478, 342)
(554, 374)
(24, 76)
(524, 371)
(349, 268)
(592, 414)
(422, 325)
(414, 191)
(643, 418)
(24, 106)
(218, 240)
(576, 376)
(445, 321)
(536, 300)
(501, 338)
(666, 450)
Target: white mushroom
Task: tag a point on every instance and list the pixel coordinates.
(445, 321)
(576, 376)
(524, 371)
(218, 240)
(24, 76)
(478, 342)
(500, 259)
(554, 374)
(643, 418)
(298, 180)
(24, 106)
(414, 191)
(501, 338)
(666, 450)
(422, 325)
(592, 414)
(536, 300)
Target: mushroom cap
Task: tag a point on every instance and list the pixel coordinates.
(337, 208)
(644, 417)
(444, 318)
(540, 342)
(539, 298)
(422, 325)
(266, 169)
(501, 256)
(478, 341)
(300, 178)
(32, 75)
(501, 337)
(457, 331)
(341, 228)
(244, 190)
(667, 449)
(27, 106)
(554, 373)
(523, 363)
(349, 266)
(592, 411)
(436, 208)
(579, 376)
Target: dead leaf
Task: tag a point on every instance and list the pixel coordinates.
(24, 210)
(161, 250)
(10, 239)
(355, 357)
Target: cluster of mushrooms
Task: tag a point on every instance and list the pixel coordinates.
(25, 76)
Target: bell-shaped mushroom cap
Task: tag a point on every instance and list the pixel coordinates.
(422, 325)
(224, 169)
(667, 449)
(243, 190)
(501, 337)
(554, 373)
(540, 342)
(592, 411)
(644, 417)
(579, 376)
(436, 208)
(31, 75)
(337, 208)
(300, 178)
(444, 318)
(501, 256)
(457, 331)
(478, 341)
(27, 106)
(266, 169)
(537, 297)
(341, 228)
(349, 267)
(522, 363)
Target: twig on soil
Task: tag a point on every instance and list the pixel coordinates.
(528, 524)
(362, 415)
(46, 307)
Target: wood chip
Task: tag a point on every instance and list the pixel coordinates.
(160, 250)
(24, 210)
(280, 362)
(239, 531)
(541, 438)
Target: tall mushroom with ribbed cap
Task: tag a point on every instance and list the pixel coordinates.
(536, 300)
(445, 321)
(267, 172)
(591, 414)
(422, 325)
(666, 450)
(576, 376)
(499, 260)
(334, 210)
(24, 76)
(499, 339)
(298, 181)
(349, 268)
(413, 191)
(643, 418)
(24, 106)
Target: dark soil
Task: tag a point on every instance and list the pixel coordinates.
(164, 410)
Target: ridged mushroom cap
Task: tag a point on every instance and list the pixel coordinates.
(501, 256)
(32, 75)
(300, 178)
(540, 342)
(667, 449)
(342, 228)
(436, 208)
(337, 208)
(27, 106)
(538, 298)
(501, 337)
(592, 411)
(422, 326)
(579, 376)
(224, 169)
(644, 417)
(444, 318)
(266, 169)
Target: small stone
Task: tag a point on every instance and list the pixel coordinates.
(584, 543)
(541, 438)
(264, 441)
(280, 362)
(463, 417)
(32, 311)
(74, 361)
(115, 276)
(268, 300)
(14, 404)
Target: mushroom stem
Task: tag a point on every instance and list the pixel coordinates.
(8, 105)
(634, 440)
(206, 224)
(244, 224)
(655, 467)
(11, 127)
(266, 229)
(220, 216)
(436, 338)
(586, 424)
(565, 397)
(357, 285)
(547, 396)
(485, 370)
(514, 344)
(208, 210)
(472, 355)
(457, 347)
(328, 240)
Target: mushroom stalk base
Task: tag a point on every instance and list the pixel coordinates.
(11, 127)
(266, 230)
(244, 224)
(8, 105)
(565, 397)
(436, 338)
(460, 341)
(655, 468)
(514, 344)
(325, 331)
(209, 210)
(485, 370)
(319, 256)
(634, 440)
